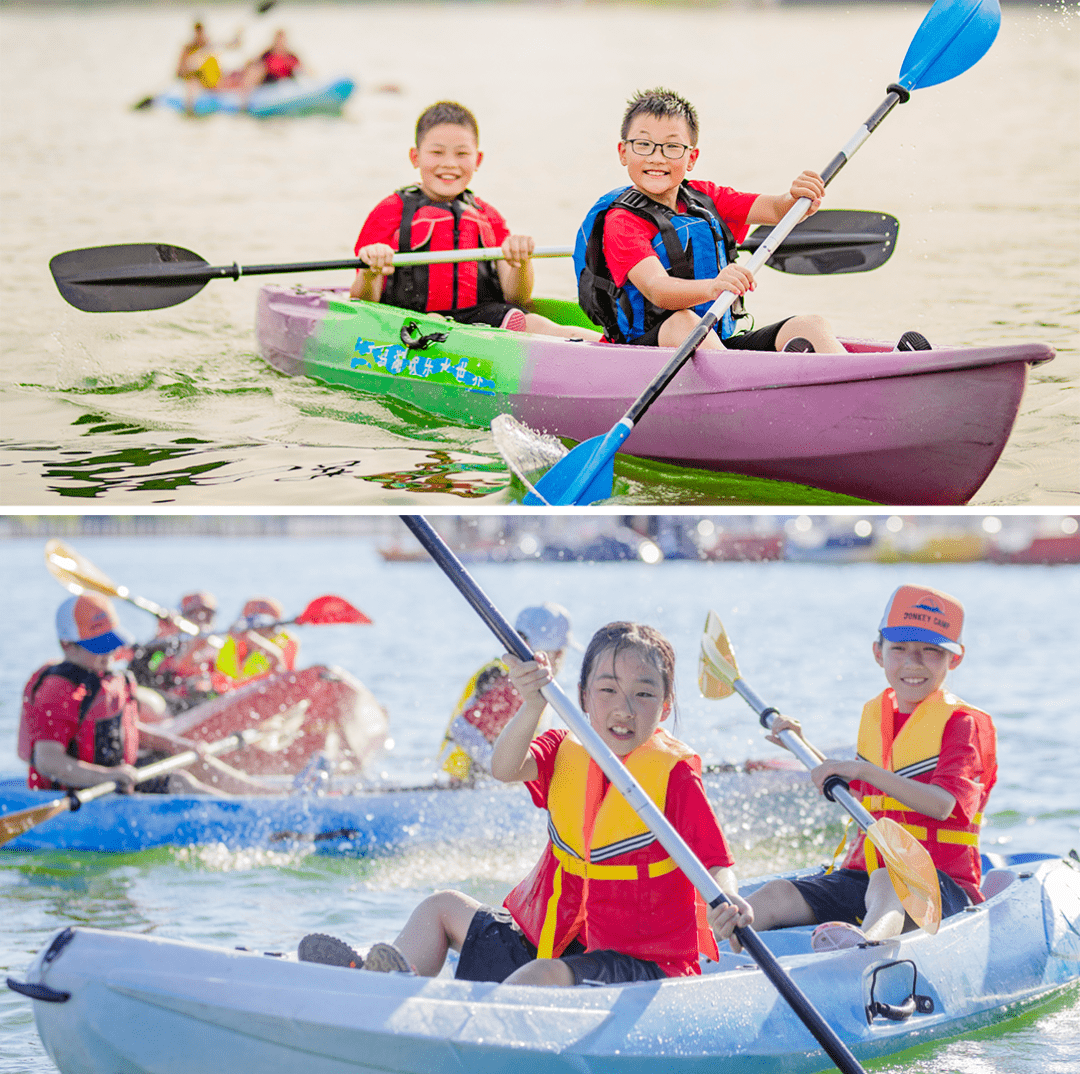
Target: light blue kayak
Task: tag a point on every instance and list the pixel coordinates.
(763, 801)
(288, 97)
(114, 1001)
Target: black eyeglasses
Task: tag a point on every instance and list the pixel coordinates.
(672, 150)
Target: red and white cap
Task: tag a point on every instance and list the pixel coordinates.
(916, 613)
(90, 620)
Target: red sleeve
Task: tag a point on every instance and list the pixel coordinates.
(693, 818)
(495, 219)
(627, 242)
(54, 716)
(382, 224)
(959, 765)
(543, 749)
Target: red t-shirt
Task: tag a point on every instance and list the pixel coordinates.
(53, 716)
(628, 238)
(384, 220)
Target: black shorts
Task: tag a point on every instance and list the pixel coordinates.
(756, 339)
(492, 313)
(495, 946)
(841, 895)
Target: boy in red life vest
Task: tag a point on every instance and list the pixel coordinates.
(605, 904)
(652, 257)
(441, 213)
(925, 758)
(78, 717)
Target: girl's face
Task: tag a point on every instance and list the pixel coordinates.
(624, 698)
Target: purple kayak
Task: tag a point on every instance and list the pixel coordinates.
(906, 428)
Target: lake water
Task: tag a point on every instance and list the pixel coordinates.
(175, 407)
(802, 633)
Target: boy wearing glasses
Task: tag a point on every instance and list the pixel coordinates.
(652, 257)
(442, 213)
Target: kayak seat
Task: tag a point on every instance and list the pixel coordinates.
(996, 881)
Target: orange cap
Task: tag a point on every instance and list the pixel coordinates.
(916, 613)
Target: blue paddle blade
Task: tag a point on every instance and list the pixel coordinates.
(587, 474)
(954, 36)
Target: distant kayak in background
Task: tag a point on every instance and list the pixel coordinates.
(287, 97)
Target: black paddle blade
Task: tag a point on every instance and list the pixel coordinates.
(103, 279)
(833, 242)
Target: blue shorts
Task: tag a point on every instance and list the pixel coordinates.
(495, 946)
(841, 895)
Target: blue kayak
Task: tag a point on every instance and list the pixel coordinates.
(107, 1001)
(371, 821)
(288, 97)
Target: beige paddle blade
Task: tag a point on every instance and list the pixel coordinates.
(717, 670)
(14, 824)
(75, 573)
(911, 871)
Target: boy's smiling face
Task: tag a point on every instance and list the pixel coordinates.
(655, 174)
(447, 157)
(914, 669)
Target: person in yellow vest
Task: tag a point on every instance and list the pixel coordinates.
(489, 698)
(924, 758)
(605, 904)
(256, 645)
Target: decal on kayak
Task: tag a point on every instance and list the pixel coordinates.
(395, 359)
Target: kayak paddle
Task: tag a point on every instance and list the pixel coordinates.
(14, 824)
(322, 611)
(911, 869)
(154, 275)
(953, 37)
(77, 574)
(150, 276)
(632, 791)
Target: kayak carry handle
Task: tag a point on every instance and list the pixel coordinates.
(38, 991)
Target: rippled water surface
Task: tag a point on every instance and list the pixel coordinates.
(802, 634)
(175, 406)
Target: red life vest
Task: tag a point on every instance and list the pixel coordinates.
(106, 733)
(442, 225)
(603, 871)
(279, 65)
(953, 843)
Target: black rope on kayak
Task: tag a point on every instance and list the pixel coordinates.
(414, 341)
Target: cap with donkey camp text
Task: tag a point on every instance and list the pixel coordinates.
(915, 613)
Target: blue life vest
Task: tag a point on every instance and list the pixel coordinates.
(692, 245)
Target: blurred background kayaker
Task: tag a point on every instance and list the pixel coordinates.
(198, 65)
(256, 645)
(178, 666)
(489, 698)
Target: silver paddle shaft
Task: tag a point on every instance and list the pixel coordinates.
(837, 788)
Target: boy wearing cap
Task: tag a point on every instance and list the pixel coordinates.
(489, 698)
(78, 716)
(925, 758)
